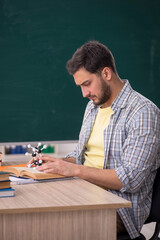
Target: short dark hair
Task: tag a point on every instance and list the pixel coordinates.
(93, 56)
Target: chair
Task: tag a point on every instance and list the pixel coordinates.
(154, 215)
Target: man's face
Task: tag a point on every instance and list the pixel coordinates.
(93, 86)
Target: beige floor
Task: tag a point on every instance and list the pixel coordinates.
(148, 230)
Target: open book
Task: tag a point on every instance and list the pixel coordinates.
(31, 173)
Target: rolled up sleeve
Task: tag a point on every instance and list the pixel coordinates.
(139, 151)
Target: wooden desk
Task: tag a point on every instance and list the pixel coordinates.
(60, 210)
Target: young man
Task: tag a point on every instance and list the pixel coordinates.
(119, 141)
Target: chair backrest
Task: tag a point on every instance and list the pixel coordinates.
(154, 215)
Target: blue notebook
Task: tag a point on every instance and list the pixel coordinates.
(7, 192)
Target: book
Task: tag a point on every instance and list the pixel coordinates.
(31, 173)
(22, 180)
(5, 184)
(4, 176)
(17, 165)
(7, 192)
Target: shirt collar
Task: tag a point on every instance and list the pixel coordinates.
(121, 99)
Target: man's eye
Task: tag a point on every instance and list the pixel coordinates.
(86, 84)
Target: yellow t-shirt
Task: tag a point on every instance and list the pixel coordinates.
(94, 154)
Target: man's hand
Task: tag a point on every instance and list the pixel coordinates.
(61, 166)
(57, 165)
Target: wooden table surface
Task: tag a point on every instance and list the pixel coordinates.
(75, 194)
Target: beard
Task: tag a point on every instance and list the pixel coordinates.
(105, 93)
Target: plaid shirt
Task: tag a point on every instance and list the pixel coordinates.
(132, 148)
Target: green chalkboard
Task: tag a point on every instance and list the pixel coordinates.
(38, 99)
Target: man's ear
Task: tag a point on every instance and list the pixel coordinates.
(106, 73)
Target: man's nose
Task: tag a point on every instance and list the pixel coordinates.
(85, 92)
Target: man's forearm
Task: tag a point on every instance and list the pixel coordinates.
(102, 177)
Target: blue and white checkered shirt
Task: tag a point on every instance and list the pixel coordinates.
(132, 148)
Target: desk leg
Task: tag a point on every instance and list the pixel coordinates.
(97, 224)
